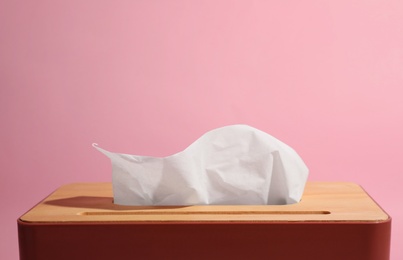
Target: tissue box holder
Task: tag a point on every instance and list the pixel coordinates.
(334, 220)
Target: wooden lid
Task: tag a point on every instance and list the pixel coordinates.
(321, 202)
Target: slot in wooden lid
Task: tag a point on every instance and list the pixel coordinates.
(321, 202)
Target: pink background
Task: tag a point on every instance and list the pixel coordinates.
(150, 77)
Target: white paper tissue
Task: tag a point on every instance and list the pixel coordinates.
(232, 165)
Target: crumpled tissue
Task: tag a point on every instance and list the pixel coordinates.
(231, 165)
